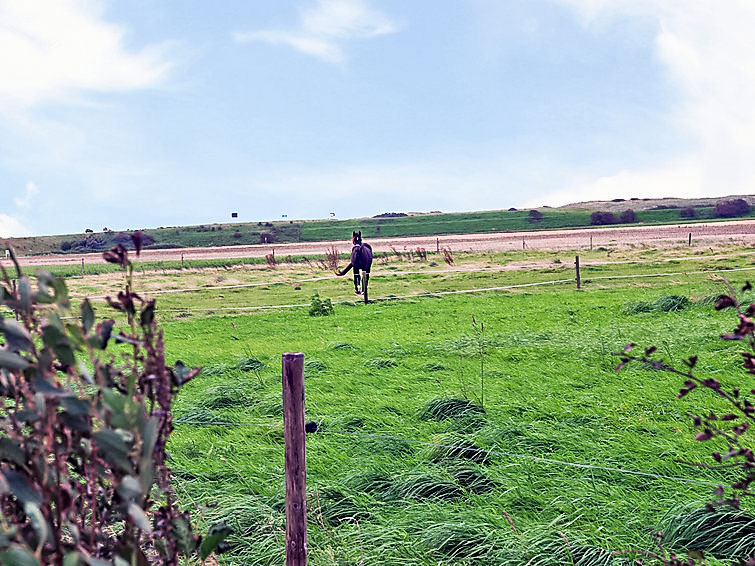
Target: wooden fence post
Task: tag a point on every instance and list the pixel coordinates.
(14, 294)
(689, 243)
(82, 267)
(437, 245)
(576, 266)
(182, 261)
(590, 242)
(296, 467)
(524, 246)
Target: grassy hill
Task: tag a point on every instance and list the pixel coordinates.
(658, 211)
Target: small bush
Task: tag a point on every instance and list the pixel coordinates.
(687, 212)
(600, 218)
(535, 215)
(731, 208)
(318, 307)
(237, 234)
(628, 216)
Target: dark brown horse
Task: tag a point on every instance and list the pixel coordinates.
(361, 260)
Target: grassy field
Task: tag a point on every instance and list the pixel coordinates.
(440, 445)
(317, 230)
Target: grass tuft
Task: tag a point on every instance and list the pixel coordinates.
(381, 363)
(452, 446)
(440, 409)
(249, 363)
(423, 485)
(460, 539)
(472, 478)
(225, 396)
(671, 303)
(724, 532)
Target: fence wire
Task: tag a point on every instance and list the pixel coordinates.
(466, 448)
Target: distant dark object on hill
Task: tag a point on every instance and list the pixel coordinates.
(687, 212)
(628, 216)
(535, 215)
(391, 215)
(618, 200)
(601, 218)
(731, 208)
(512, 209)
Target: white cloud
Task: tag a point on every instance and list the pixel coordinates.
(706, 49)
(11, 227)
(56, 49)
(323, 28)
(30, 192)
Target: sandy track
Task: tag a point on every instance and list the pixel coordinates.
(740, 231)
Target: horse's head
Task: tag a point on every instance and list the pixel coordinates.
(356, 238)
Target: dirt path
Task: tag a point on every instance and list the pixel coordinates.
(740, 231)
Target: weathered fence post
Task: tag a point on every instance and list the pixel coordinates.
(524, 246)
(14, 294)
(82, 267)
(182, 261)
(689, 242)
(590, 242)
(437, 245)
(576, 266)
(296, 467)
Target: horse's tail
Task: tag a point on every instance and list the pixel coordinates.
(345, 270)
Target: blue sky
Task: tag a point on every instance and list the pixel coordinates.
(142, 113)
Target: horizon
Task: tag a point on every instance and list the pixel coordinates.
(136, 114)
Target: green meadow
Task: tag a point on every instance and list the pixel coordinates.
(442, 442)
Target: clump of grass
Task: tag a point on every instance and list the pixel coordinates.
(249, 363)
(337, 507)
(667, 303)
(433, 366)
(225, 396)
(320, 307)
(397, 447)
(472, 478)
(342, 346)
(440, 409)
(313, 365)
(381, 363)
(450, 447)
(374, 481)
(215, 369)
(573, 554)
(671, 303)
(636, 307)
(422, 485)
(460, 538)
(724, 532)
(196, 415)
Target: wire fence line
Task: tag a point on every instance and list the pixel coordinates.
(476, 290)
(501, 269)
(468, 449)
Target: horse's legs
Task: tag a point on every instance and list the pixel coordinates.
(356, 281)
(365, 282)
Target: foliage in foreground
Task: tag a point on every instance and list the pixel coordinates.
(729, 429)
(83, 473)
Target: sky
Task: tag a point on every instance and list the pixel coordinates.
(146, 113)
